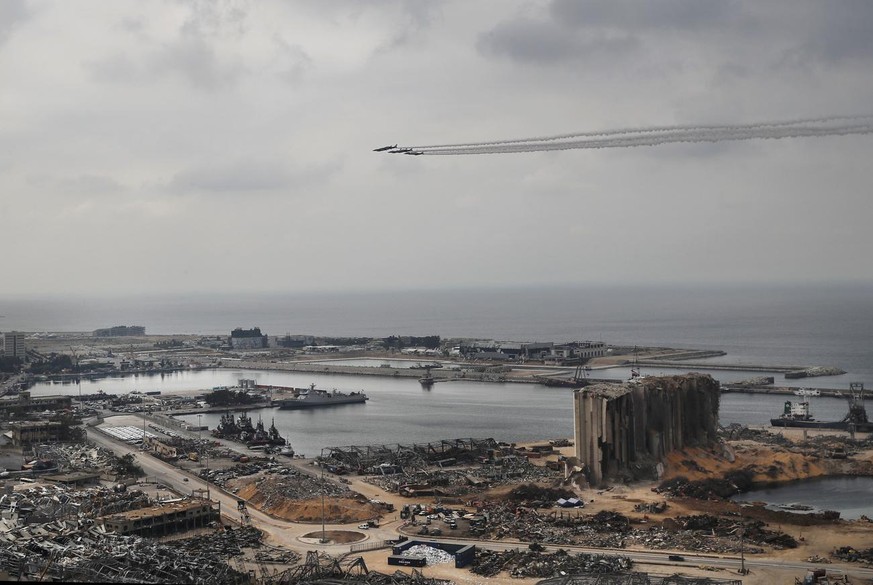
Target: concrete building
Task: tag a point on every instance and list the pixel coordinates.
(29, 433)
(165, 519)
(579, 350)
(538, 351)
(24, 403)
(74, 478)
(247, 339)
(13, 345)
(624, 431)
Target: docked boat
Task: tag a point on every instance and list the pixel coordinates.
(797, 415)
(427, 380)
(241, 430)
(314, 398)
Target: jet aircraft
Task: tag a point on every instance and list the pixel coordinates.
(384, 148)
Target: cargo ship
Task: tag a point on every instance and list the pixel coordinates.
(314, 398)
(797, 415)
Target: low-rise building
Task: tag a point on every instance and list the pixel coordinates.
(24, 403)
(247, 339)
(74, 478)
(29, 433)
(164, 519)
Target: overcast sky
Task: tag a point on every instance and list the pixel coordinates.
(180, 146)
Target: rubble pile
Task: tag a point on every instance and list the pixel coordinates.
(538, 496)
(398, 578)
(51, 501)
(464, 482)
(517, 470)
(651, 508)
(88, 554)
(434, 556)
(230, 543)
(606, 529)
(51, 530)
(77, 456)
(220, 477)
(708, 489)
(453, 482)
(708, 533)
(659, 538)
(276, 490)
(527, 564)
(637, 578)
(847, 553)
(738, 432)
(359, 458)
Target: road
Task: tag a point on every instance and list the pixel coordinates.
(289, 534)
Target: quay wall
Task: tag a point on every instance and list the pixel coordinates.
(438, 374)
(503, 373)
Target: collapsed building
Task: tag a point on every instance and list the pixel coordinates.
(627, 429)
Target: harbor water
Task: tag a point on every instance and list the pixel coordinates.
(400, 411)
(826, 325)
(852, 497)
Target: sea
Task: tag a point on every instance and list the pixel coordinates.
(813, 324)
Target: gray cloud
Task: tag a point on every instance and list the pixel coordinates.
(251, 176)
(197, 62)
(92, 185)
(544, 42)
(292, 61)
(84, 184)
(215, 18)
(196, 117)
(115, 68)
(843, 31)
(633, 15)
(12, 14)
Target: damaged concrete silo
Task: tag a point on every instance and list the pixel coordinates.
(625, 430)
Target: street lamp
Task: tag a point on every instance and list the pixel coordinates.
(199, 444)
(742, 550)
(321, 464)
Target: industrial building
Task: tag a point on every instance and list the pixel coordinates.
(627, 429)
(24, 403)
(247, 339)
(29, 433)
(164, 519)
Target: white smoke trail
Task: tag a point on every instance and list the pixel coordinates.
(830, 126)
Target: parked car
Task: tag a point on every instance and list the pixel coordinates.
(363, 526)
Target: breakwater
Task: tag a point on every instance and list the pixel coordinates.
(787, 391)
(487, 373)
